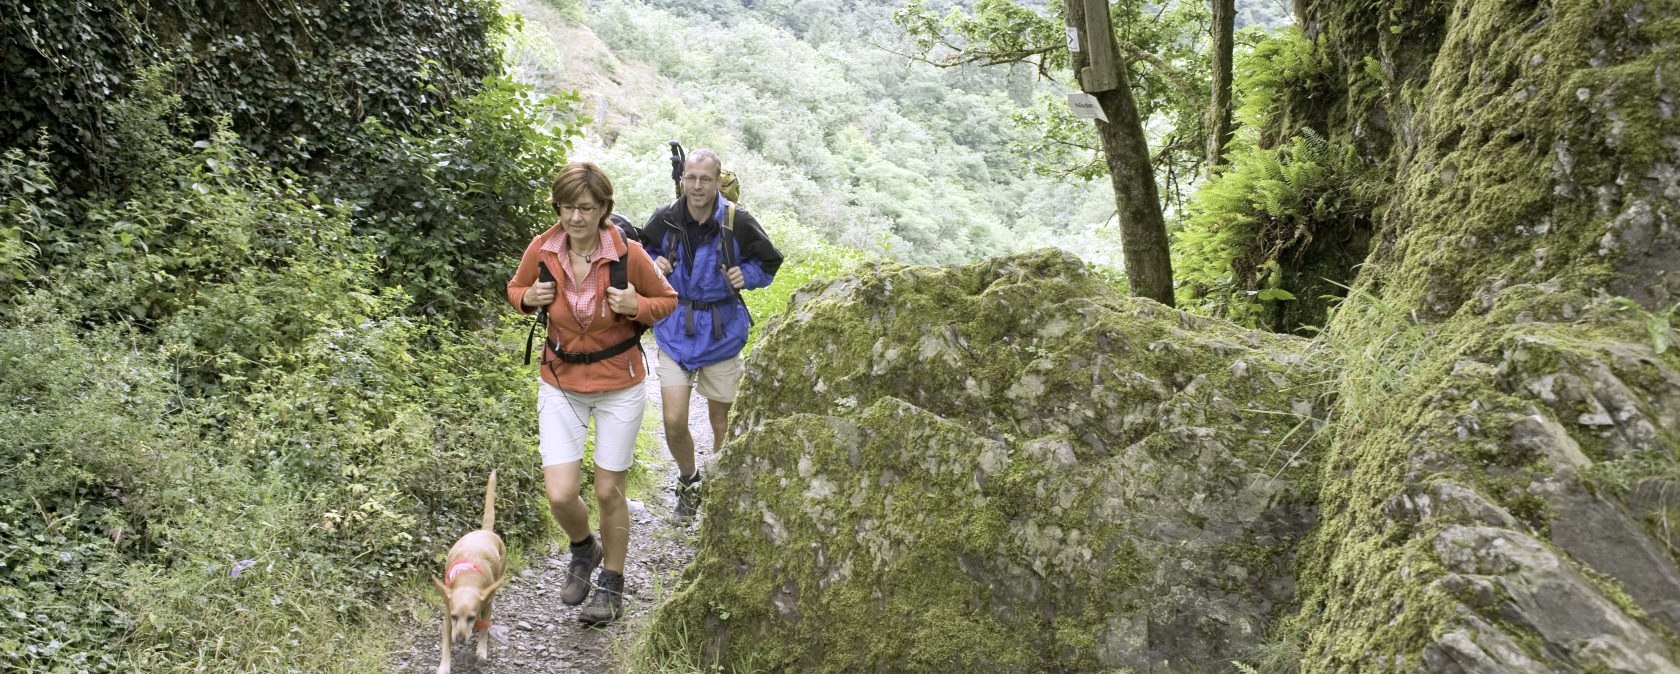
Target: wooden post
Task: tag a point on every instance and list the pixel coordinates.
(1102, 74)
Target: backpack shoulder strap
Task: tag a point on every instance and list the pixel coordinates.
(727, 240)
(618, 272)
(618, 275)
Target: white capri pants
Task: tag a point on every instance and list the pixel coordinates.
(563, 425)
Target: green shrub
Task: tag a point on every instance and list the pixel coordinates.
(342, 475)
(295, 79)
(1279, 67)
(211, 372)
(450, 212)
(1267, 239)
(29, 209)
(90, 458)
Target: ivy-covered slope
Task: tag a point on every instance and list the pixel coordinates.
(396, 110)
(295, 79)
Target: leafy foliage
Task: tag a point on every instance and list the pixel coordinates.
(1162, 44)
(1271, 67)
(397, 108)
(296, 80)
(229, 437)
(450, 211)
(1273, 236)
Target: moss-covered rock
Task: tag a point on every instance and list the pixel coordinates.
(1504, 423)
(1002, 468)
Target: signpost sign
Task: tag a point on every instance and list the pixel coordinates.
(1085, 106)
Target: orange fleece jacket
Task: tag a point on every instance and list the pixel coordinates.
(655, 300)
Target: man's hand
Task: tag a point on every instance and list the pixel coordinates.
(539, 295)
(623, 301)
(663, 265)
(736, 281)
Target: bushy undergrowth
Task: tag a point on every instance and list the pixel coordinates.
(449, 211)
(229, 437)
(225, 444)
(1251, 225)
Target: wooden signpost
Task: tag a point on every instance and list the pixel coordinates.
(1091, 41)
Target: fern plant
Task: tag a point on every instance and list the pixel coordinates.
(1248, 226)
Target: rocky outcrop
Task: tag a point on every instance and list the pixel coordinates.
(1004, 467)
(1507, 430)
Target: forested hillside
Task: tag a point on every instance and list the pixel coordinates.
(842, 125)
(830, 130)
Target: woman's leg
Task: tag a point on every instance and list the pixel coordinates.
(561, 432)
(618, 420)
(560, 482)
(615, 517)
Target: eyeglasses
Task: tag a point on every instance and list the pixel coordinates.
(699, 179)
(586, 211)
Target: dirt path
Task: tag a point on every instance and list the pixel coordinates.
(534, 632)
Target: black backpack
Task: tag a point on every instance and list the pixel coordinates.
(630, 231)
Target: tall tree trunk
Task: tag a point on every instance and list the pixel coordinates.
(1143, 231)
(1219, 107)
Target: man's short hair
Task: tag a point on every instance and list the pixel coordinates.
(704, 154)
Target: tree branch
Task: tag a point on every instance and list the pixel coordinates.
(1176, 76)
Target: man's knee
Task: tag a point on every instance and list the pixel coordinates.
(676, 426)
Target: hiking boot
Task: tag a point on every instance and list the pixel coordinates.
(608, 604)
(688, 498)
(584, 561)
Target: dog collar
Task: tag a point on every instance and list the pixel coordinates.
(481, 625)
(459, 568)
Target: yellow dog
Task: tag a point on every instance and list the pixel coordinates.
(472, 572)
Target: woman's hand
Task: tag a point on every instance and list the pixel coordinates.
(539, 294)
(623, 301)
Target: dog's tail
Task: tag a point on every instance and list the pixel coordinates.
(490, 503)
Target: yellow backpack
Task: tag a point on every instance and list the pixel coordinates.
(728, 185)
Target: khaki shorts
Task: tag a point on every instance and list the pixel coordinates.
(718, 382)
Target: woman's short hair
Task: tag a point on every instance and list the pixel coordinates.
(578, 180)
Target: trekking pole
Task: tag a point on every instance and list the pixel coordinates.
(678, 157)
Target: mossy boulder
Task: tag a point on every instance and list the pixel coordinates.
(1003, 467)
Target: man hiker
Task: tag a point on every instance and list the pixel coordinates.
(710, 250)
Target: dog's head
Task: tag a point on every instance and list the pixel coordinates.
(465, 607)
